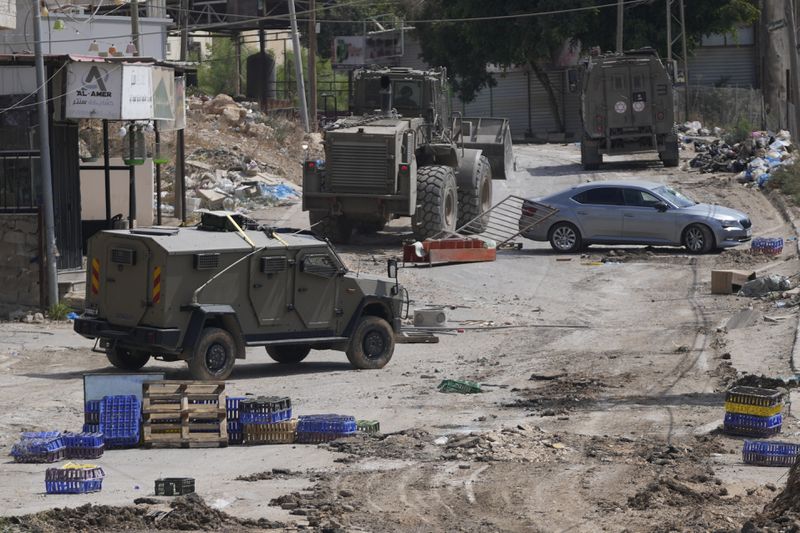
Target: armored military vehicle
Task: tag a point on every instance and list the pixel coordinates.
(626, 108)
(203, 294)
(402, 153)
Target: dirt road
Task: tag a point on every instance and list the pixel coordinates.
(607, 426)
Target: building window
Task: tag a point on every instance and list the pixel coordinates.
(742, 37)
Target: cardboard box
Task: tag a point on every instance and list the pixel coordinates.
(729, 281)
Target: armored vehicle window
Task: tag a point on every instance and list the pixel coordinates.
(321, 265)
(123, 256)
(407, 94)
(272, 265)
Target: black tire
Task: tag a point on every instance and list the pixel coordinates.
(565, 238)
(474, 201)
(126, 359)
(336, 229)
(372, 344)
(213, 355)
(591, 158)
(437, 202)
(698, 239)
(670, 156)
(290, 354)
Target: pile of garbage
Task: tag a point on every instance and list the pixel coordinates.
(753, 160)
(244, 116)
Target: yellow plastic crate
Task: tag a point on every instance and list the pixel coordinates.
(753, 410)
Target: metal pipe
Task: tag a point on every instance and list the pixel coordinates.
(44, 157)
(107, 173)
(132, 178)
(620, 20)
(158, 176)
(135, 27)
(298, 66)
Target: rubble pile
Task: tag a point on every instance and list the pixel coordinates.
(753, 160)
(239, 157)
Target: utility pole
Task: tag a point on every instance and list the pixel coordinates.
(180, 140)
(135, 27)
(620, 19)
(50, 250)
(685, 59)
(312, 63)
(794, 78)
(298, 66)
(669, 36)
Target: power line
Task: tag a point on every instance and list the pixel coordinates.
(208, 27)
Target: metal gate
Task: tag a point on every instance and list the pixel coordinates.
(66, 194)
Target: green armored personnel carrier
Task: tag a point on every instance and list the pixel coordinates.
(204, 294)
(627, 108)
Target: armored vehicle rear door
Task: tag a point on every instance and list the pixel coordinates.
(315, 288)
(270, 287)
(641, 95)
(124, 281)
(618, 101)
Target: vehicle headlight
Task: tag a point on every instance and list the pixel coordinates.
(729, 223)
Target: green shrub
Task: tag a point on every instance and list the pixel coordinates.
(739, 132)
(58, 311)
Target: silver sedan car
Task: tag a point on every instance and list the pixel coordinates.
(635, 212)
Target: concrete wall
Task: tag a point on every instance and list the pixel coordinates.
(93, 192)
(19, 262)
(8, 14)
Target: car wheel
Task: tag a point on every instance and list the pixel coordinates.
(698, 239)
(288, 355)
(372, 343)
(213, 356)
(126, 359)
(565, 238)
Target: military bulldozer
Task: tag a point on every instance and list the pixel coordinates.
(403, 153)
(627, 107)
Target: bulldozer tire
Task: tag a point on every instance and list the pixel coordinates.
(126, 359)
(372, 344)
(336, 229)
(213, 355)
(474, 201)
(437, 202)
(288, 355)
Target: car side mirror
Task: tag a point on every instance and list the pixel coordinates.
(391, 267)
(661, 207)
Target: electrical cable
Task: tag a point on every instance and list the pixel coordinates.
(207, 27)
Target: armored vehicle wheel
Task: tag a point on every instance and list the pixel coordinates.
(591, 158)
(437, 202)
(213, 355)
(288, 355)
(126, 359)
(670, 155)
(372, 343)
(336, 229)
(472, 202)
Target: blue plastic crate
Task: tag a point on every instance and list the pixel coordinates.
(91, 428)
(91, 412)
(41, 447)
(265, 418)
(120, 421)
(324, 428)
(265, 410)
(749, 425)
(73, 480)
(770, 453)
(83, 445)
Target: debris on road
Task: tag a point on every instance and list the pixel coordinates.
(730, 281)
(765, 285)
(461, 387)
(450, 250)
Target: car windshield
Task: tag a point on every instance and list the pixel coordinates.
(677, 198)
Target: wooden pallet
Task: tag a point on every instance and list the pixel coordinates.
(184, 414)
